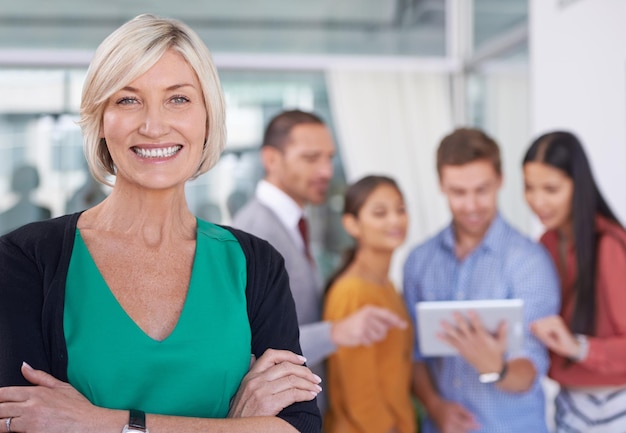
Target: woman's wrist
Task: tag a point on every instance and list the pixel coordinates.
(582, 348)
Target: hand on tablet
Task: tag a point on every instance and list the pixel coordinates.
(484, 351)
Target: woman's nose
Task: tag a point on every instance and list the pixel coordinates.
(535, 200)
(154, 122)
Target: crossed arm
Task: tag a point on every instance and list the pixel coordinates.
(276, 380)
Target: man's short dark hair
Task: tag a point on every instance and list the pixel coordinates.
(279, 128)
(465, 145)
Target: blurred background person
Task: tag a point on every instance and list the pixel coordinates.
(24, 182)
(297, 153)
(369, 386)
(587, 339)
(479, 255)
(89, 194)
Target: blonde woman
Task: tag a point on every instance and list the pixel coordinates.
(135, 315)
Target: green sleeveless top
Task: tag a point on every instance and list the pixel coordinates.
(194, 371)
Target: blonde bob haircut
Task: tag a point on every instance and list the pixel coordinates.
(124, 56)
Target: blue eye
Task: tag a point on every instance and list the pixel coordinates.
(127, 100)
(179, 99)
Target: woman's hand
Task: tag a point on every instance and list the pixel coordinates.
(276, 380)
(556, 336)
(51, 406)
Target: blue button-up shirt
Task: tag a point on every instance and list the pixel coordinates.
(505, 265)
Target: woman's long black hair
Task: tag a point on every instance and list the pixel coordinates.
(356, 195)
(564, 151)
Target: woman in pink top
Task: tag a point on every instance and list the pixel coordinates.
(588, 339)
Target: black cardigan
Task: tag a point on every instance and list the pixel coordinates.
(34, 261)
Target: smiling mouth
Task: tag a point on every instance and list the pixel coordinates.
(473, 219)
(161, 152)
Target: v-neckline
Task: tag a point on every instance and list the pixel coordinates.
(110, 295)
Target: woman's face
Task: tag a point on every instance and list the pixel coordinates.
(155, 127)
(382, 221)
(549, 192)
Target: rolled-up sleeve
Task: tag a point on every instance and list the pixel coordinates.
(535, 281)
(607, 353)
(412, 294)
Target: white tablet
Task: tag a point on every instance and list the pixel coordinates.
(491, 312)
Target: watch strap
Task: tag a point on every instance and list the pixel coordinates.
(505, 368)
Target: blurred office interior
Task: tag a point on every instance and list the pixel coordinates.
(390, 77)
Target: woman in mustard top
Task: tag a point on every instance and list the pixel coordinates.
(369, 386)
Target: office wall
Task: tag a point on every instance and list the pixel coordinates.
(578, 82)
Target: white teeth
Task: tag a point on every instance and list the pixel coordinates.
(157, 153)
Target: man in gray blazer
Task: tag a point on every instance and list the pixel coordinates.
(297, 153)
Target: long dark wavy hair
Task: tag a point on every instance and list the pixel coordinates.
(356, 195)
(563, 150)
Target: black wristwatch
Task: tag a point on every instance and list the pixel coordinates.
(136, 422)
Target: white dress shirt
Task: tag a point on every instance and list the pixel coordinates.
(287, 210)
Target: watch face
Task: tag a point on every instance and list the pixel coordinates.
(489, 377)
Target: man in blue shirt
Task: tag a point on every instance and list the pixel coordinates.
(480, 256)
